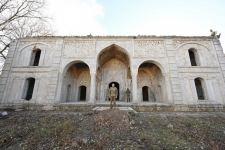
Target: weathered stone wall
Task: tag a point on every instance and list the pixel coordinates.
(169, 54)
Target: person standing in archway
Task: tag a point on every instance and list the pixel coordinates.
(128, 94)
(113, 93)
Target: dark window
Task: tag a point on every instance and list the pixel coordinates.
(35, 58)
(192, 56)
(82, 93)
(145, 93)
(199, 89)
(28, 89)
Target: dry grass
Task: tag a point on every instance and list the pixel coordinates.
(112, 129)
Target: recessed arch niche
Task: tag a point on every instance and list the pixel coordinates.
(76, 82)
(151, 83)
(113, 65)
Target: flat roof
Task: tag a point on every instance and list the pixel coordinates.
(119, 36)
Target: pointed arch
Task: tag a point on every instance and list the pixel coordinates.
(153, 62)
(76, 82)
(151, 82)
(113, 65)
(68, 65)
(115, 51)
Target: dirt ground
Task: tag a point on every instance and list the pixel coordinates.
(112, 129)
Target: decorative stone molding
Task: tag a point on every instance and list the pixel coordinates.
(79, 49)
(149, 48)
(178, 43)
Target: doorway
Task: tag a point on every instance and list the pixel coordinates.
(82, 92)
(145, 94)
(118, 88)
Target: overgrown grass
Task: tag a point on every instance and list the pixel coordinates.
(108, 130)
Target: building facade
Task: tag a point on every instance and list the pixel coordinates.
(73, 70)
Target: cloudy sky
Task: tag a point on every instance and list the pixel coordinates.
(133, 17)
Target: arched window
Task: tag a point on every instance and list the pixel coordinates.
(82, 93)
(35, 57)
(28, 88)
(193, 57)
(145, 93)
(199, 85)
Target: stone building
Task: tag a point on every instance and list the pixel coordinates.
(173, 70)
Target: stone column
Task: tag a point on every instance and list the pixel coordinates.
(134, 87)
(92, 90)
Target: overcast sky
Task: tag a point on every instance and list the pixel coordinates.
(133, 17)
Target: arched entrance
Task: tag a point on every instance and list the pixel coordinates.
(151, 83)
(117, 85)
(145, 94)
(76, 83)
(82, 93)
(113, 64)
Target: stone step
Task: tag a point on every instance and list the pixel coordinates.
(120, 108)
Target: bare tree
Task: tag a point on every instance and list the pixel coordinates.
(20, 18)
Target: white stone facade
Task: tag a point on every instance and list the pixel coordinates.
(155, 69)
